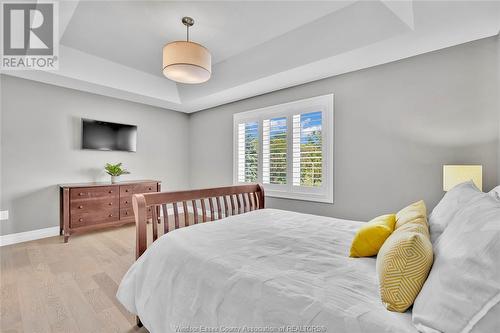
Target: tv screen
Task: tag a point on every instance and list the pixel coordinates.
(102, 135)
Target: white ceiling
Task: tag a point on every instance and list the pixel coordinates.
(114, 47)
(142, 28)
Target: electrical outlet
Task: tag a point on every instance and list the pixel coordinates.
(4, 215)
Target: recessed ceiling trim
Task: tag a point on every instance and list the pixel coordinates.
(402, 9)
(428, 26)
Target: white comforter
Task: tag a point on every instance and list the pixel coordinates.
(259, 272)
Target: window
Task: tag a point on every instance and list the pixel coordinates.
(274, 151)
(288, 148)
(307, 149)
(248, 149)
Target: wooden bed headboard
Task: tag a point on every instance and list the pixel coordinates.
(229, 200)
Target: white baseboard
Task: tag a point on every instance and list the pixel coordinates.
(28, 236)
(54, 231)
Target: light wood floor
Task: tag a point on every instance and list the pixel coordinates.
(49, 286)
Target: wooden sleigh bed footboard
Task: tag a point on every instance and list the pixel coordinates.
(168, 211)
(173, 210)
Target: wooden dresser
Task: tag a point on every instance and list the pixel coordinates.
(89, 206)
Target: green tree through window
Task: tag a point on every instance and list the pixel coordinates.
(251, 151)
(311, 149)
(277, 151)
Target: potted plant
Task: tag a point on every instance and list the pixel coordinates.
(115, 171)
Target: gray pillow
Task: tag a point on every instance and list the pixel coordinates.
(449, 205)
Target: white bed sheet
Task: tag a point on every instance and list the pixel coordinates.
(259, 271)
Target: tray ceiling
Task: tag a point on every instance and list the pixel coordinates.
(114, 47)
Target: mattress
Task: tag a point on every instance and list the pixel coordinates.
(264, 271)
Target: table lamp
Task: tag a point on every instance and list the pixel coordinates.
(456, 174)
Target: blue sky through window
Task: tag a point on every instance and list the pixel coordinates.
(309, 123)
(251, 130)
(278, 127)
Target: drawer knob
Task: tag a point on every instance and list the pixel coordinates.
(110, 203)
(126, 190)
(110, 191)
(126, 213)
(80, 207)
(81, 193)
(110, 215)
(150, 188)
(80, 219)
(126, 201)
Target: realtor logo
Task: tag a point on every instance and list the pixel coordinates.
(30, 36)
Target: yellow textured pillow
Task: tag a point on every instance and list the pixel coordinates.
(405, 259)
(410, 213)
(370, 237)
(418, 225)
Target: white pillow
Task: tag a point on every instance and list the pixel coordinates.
(451, 203)
(495, 193)
(490, 322)
(463, 287)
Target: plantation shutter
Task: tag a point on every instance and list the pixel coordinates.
(248, 152)
(288, 148)
(307, 149)
(274, 151)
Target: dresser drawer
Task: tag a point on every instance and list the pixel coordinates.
(94, 217)
(129, 190)
(126, 190)
(145, 188)
(93, 192)
(126, 213)
(90, 205)
(126, 202)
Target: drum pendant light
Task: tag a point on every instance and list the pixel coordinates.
(185, 61)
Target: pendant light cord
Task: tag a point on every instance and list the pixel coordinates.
(187, 32)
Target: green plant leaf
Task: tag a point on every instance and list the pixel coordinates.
(115, 169)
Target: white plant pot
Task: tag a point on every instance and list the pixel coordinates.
(115, 179)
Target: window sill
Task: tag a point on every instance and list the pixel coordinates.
(299, 196)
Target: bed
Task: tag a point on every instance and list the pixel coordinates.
(264, 270)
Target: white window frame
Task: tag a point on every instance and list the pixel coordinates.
(324, 103)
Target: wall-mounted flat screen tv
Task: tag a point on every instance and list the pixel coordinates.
(101, 135)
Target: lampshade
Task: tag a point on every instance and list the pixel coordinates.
(456, 174)
(186, 62)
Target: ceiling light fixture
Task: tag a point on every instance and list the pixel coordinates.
(185, 61)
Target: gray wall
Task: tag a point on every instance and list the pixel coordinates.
(395, 126)
(498, 106)
(40, 135)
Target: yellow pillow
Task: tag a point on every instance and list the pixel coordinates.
(418, 225)
(410, 213)
(370, 237)
(405, 259)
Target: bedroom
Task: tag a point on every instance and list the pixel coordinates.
(386, 103)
